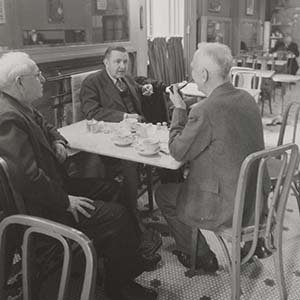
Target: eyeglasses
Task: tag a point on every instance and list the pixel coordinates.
(38, 75)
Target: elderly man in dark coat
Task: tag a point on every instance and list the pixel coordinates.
(35, 151)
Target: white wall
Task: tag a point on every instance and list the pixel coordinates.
(165, 18)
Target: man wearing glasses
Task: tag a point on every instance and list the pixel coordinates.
(34, 151)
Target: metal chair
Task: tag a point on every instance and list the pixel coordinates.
(248, 80)
(275, 164)
(13, 204)
(62, 234)
(269, 228)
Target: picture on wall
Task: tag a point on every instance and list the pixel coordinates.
(250, 7)
(2, 12)
(55, 11)
(214, 5)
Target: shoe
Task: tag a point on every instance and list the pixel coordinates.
(208, 263)
(151, 241)
(131, 291)
(150, 262)
(261, 251)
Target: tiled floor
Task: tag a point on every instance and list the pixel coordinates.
(258, 279)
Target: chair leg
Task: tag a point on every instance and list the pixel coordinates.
(279, 265)
(149, 186)
(270, 105)
(226, 253)
(236, 271)
(262, 106)
(194, 247)
(296, 189)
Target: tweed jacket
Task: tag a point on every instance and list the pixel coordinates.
(101, 100)
(215, 138)
(26, 143)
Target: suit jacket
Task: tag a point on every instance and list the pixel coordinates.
(26, 141)
(292, 62)
(101, 99)
(215, 138)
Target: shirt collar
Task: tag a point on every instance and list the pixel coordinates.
(114, 80)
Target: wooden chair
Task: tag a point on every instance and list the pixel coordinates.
(275, 164)
(10, 229)
(248, 80)
(76, 81)
(270, 228)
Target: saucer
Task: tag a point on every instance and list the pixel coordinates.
(141, 151)
(123, 142)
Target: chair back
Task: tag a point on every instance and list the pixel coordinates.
(247, 79)
(276, 204)
(286, 117)
(76, 81)
(10, 202)
(236, 69)
(62, 234)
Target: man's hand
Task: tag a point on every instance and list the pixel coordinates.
(176, 98)
(60, 151)
(79, 204)
(147, 89)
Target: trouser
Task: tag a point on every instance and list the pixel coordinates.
(131, 178)
(165, 197)
(110, 227)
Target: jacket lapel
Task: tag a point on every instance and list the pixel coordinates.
(135, 96)
(111, 90)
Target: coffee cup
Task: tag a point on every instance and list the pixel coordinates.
(150, 145)
(130, 124)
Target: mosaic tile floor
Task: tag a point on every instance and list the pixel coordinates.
(258, 278)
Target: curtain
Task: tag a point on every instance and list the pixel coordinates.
(176, 59)
(166, 61)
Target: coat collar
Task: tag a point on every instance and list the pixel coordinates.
(114, 94)
(28, 113)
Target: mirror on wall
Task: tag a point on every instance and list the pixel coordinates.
(249, 36)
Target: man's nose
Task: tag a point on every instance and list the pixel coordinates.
(122, 65)
(42, 78)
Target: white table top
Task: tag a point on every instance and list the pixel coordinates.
(278, 62)
(101, 143)
(286, 78)
(263, 73)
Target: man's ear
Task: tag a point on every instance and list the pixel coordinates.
(19, 81)
(105, 61)
(204, 75)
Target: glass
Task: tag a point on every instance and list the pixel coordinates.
(38, 75)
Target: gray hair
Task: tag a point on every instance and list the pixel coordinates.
(12, 65)
(218, 54)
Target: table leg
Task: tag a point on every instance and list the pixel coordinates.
(283, 89)
(149, 186)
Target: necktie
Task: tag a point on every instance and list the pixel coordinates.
(121, 85)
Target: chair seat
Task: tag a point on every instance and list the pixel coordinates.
(246, 233)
